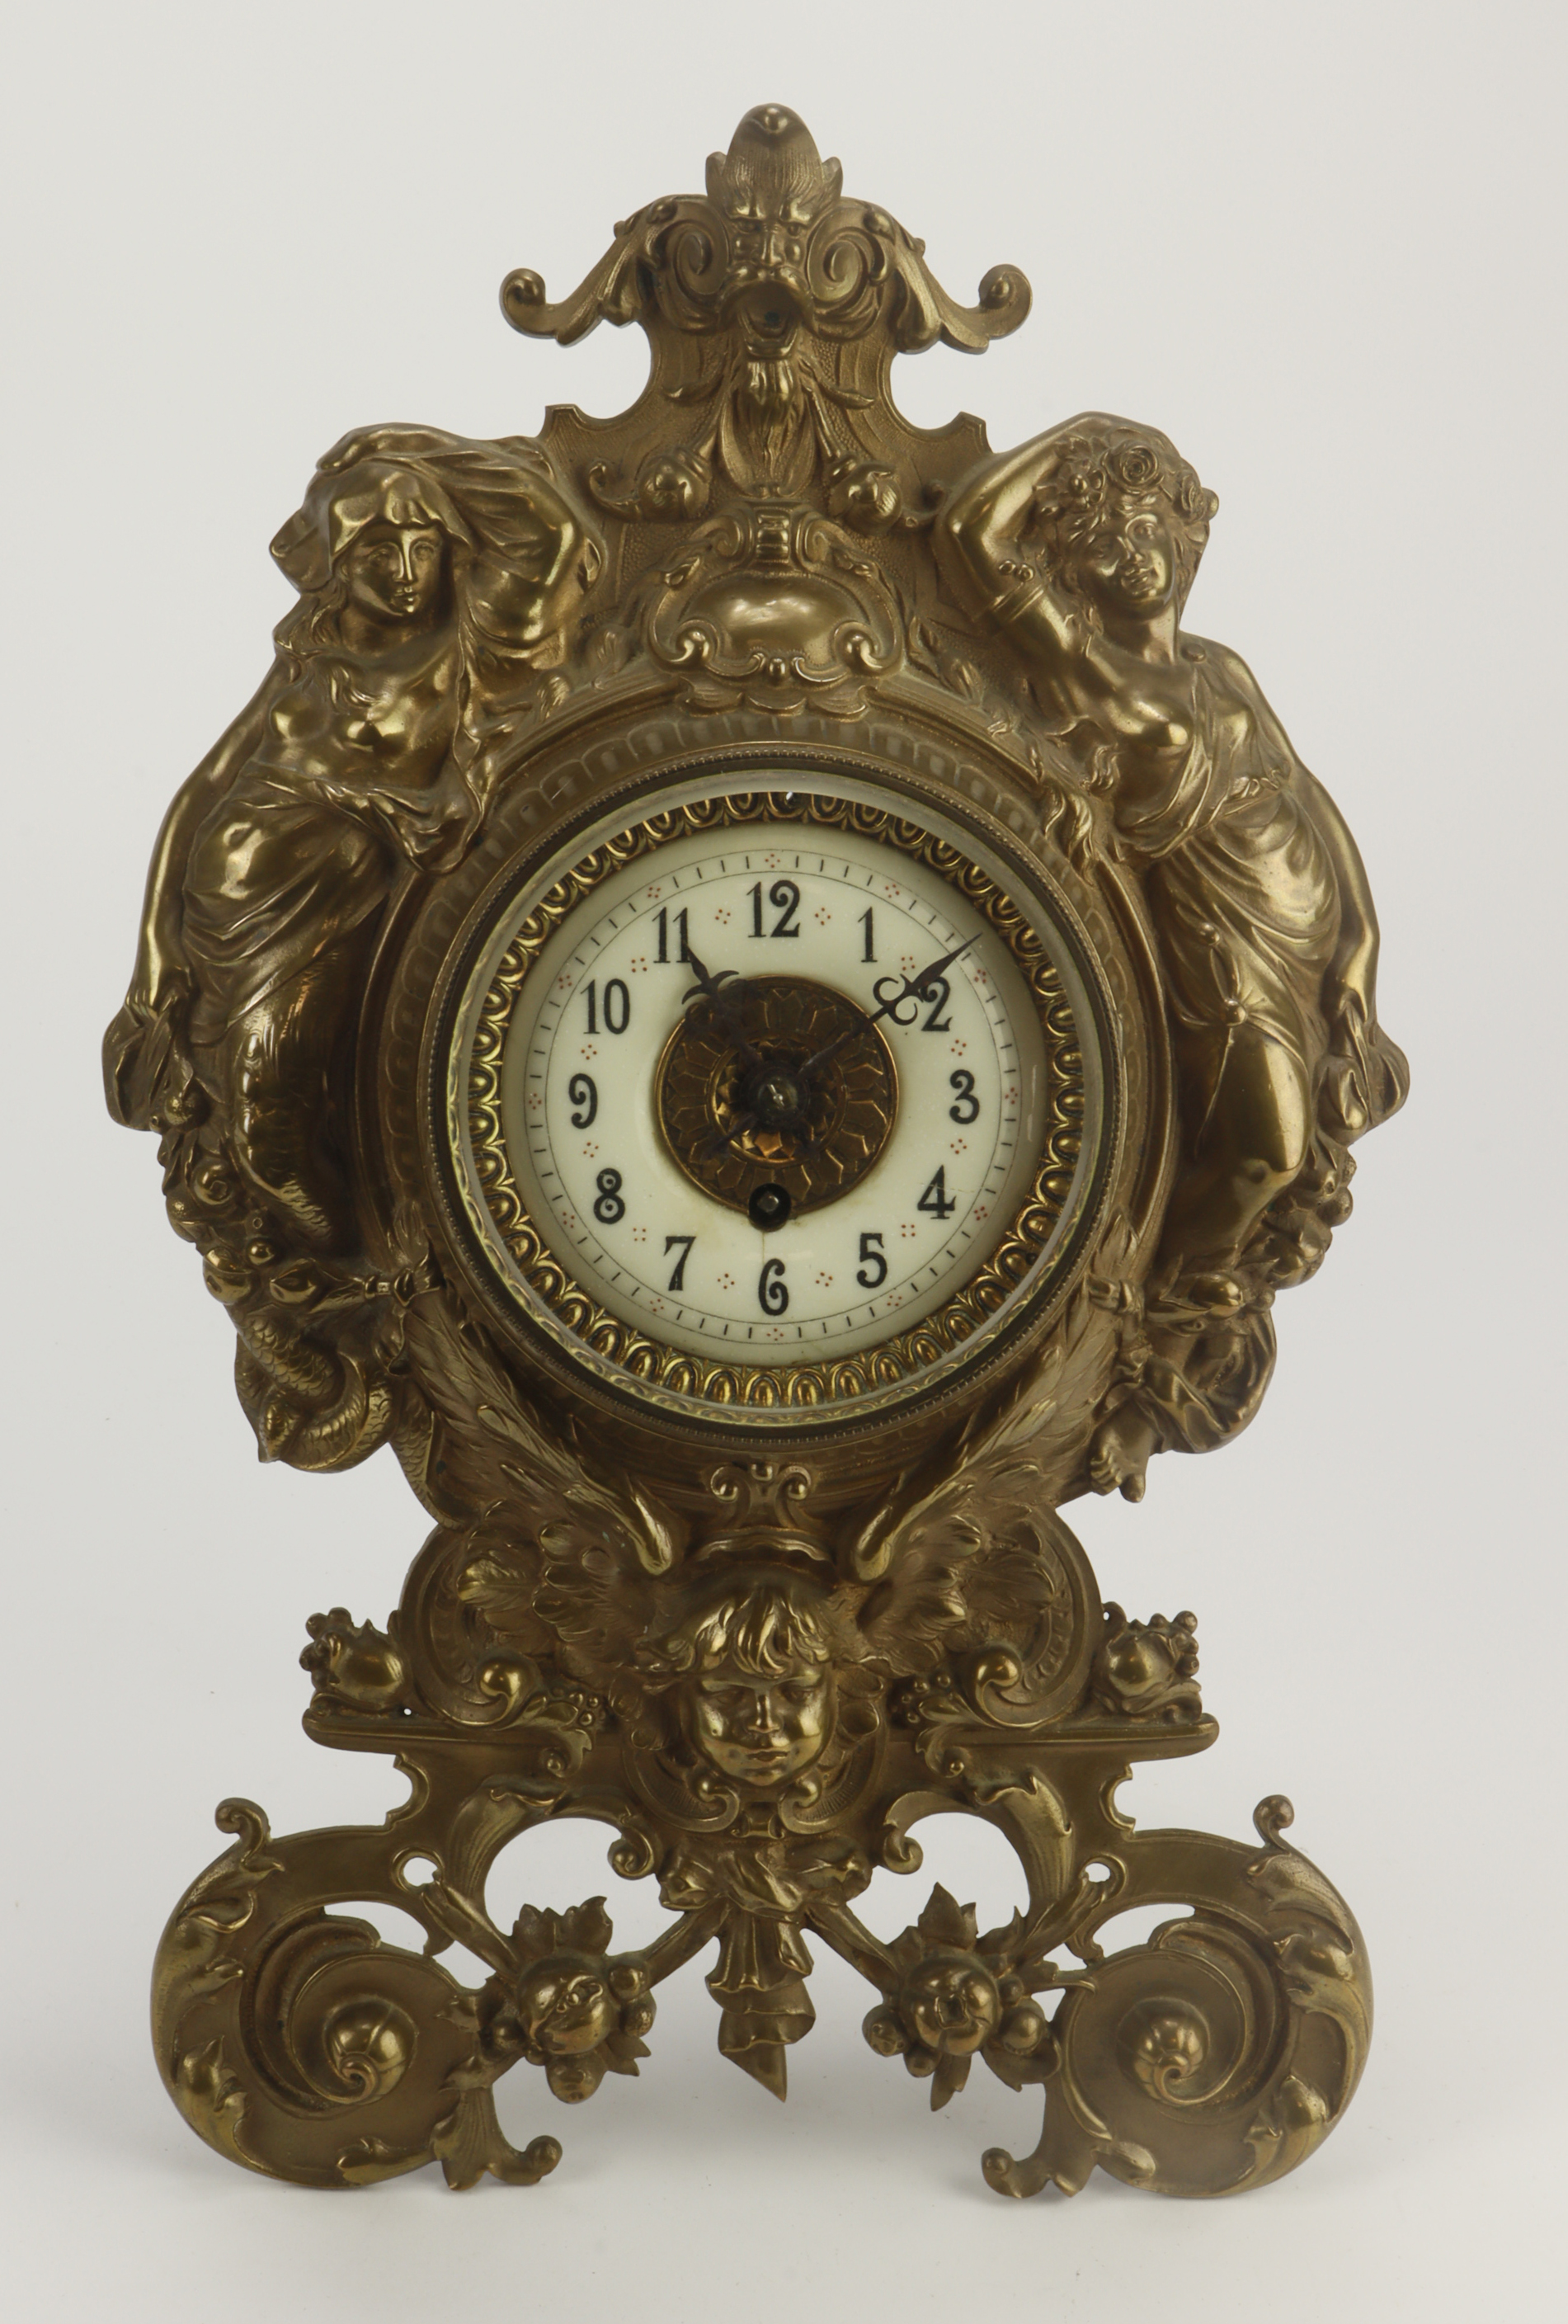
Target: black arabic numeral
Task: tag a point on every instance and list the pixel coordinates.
(772, 1291)
(785, 897)
(936, 1199)
(871, 1252)
(593, 1014)
(935, 992)
(683, 1243)
(682, 930)
(609, 1207)
(867, 922)
(966, 1107)
(583, 1091)
(617, 1007)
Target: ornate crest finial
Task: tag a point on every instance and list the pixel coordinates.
(773, 170)
(773, 218)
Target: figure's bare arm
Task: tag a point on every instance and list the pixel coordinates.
(563, 525)
(977, 538)
(980, 525)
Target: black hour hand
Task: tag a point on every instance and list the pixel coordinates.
(709, 987)
(707, 981)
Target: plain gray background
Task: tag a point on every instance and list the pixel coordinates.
(1312, 244)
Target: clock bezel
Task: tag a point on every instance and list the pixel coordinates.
(481, 1168)
(620, 781)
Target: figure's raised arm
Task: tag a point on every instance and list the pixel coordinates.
(979, 528)
(535, 557)
(979, 542)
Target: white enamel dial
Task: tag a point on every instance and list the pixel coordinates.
(831, 908)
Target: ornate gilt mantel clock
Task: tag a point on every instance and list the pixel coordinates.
(747, 1000)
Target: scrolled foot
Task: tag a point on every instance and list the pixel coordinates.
(295, 2042)
(1219, 2055)
(470, 2143)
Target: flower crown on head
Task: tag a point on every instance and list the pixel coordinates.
(1095, 468)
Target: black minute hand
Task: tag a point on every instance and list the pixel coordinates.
(915, 988)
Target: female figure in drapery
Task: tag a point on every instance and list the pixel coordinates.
(1082, 546)
(434, 576)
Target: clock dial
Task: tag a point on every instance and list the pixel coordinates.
(773, 1101)
(646, 1118)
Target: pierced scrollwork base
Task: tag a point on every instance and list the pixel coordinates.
(1212, 2058)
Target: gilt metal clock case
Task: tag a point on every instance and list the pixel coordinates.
(749, 1000)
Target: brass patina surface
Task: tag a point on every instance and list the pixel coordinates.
(757, 1624)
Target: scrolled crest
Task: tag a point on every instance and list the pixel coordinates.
(771, 250)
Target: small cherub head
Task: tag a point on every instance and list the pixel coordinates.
(753, 1668)
(565, 2005)
(572, 2007)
